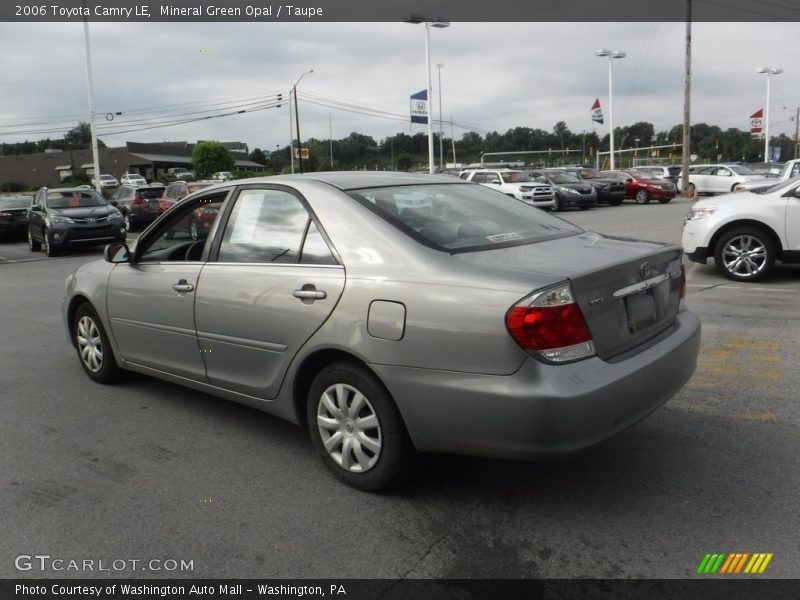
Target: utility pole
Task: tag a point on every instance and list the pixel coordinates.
(687, 86)
(796, 131)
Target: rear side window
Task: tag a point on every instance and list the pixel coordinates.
(150, 193)
(459, 218)
(272, 226)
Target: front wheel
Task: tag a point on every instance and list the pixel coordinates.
(664, 200)
(356, 427)
(642, 197)
(94, 349)
(745, 254)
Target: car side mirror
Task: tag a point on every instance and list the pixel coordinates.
(117, 253)
(796, 192)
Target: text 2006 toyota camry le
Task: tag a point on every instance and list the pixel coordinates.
(393, 312)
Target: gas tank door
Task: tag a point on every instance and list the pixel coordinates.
(386, 320)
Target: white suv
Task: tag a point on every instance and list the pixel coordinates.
(517, 184)
(746, 232)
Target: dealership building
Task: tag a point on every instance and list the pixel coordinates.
(52, 168)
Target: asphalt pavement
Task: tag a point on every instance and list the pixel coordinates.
(147, 470)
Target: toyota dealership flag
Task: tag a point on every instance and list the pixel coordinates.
(419, 107)
(597, 112)
(756, 122)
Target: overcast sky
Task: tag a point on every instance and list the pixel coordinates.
(496, 76)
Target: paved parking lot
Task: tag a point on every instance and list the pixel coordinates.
(148, 470)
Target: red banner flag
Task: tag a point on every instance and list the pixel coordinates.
(597, 112)
(756, 122)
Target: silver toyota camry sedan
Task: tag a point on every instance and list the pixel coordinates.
(391, 313)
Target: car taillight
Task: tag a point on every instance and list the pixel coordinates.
(551, 324)
(137, 200)
(682, 288)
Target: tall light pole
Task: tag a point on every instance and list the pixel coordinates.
(297, 121)
(769, 72)
(610, 54)
(92, 116)
(441, 132)
(439, 24)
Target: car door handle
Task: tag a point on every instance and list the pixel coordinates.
(182, 286)
(309, 294)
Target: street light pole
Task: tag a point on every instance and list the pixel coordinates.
(441, 125)
(610, 54)
(92, 119)
(439, 24)
(769, 72)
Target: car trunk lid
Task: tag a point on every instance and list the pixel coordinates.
(627, 290)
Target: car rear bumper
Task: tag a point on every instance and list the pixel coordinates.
(543, 411)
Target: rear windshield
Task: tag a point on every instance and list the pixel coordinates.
(150, 193)
(460, 218)
(74, 199)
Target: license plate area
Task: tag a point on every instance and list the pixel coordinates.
(641, 310)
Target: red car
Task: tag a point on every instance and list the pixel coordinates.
(641, 186)
(177, 190)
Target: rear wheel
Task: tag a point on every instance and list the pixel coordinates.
(94, 350)
(33, 245)
(745, 254)
(356, 427)
(664, 200)
(642, 197)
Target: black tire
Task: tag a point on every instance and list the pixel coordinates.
(95, 354)
(745, 254)
(615, 202)
(48, 247)
(664, 200)
(584, 207)
(371, 458)
(642, 197)
(33, 245)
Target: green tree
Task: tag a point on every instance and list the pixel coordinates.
(258, 156)
(403, 162)
(209, 157)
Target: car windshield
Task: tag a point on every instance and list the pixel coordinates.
(563, 177)
(74, 199)
(15, 202)
(641, 174)
(515, 177)
(460, 218)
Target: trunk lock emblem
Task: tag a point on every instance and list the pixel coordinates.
(644, 270)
